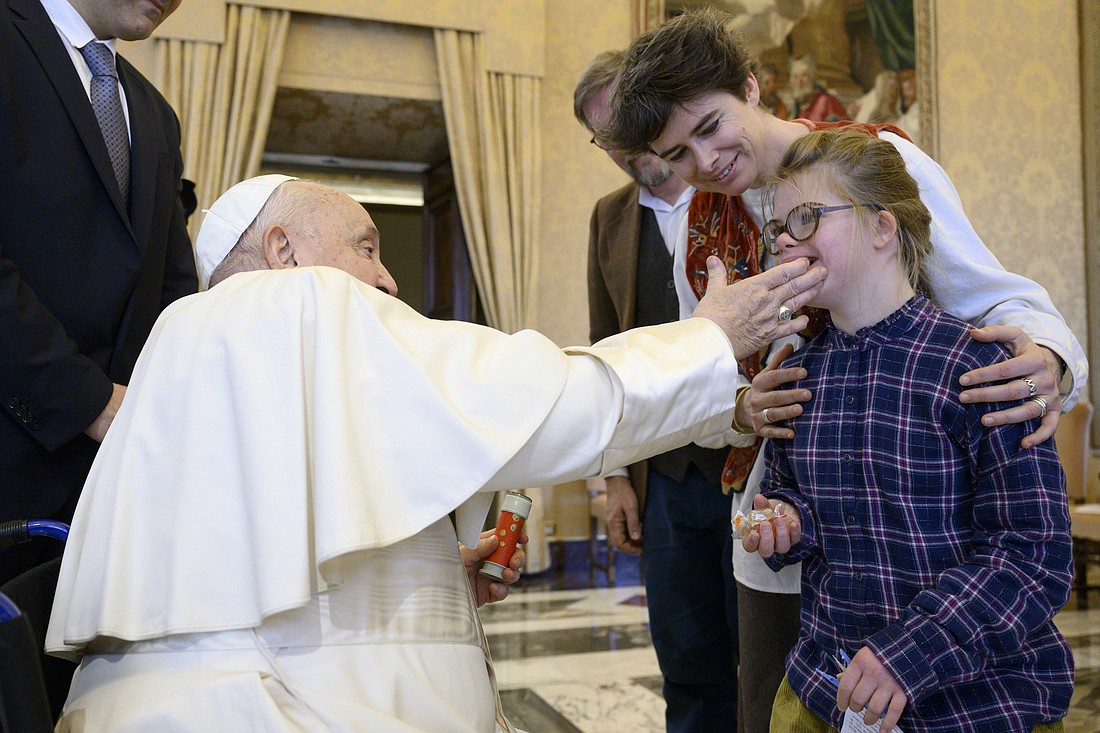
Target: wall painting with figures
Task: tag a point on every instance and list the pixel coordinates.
(836, 59)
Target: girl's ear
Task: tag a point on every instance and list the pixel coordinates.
(885, 228)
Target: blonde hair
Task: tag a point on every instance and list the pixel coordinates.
(863, 169)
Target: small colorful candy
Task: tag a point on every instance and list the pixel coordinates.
(743, 524)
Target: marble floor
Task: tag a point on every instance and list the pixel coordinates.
(573, 655)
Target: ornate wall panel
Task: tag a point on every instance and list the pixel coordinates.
(1090, 103)
(1010, 136)
(575, 174)
(359, 57)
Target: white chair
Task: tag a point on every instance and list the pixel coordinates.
(1072, 438)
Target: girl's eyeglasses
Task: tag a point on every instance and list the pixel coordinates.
(801, 223)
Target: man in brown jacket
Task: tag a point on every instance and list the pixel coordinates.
(674, 501)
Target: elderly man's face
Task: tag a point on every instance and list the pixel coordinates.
(802, 82)
(768, 86)
(907, 81)
(341, 234)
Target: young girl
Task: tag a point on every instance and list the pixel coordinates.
(935, 550)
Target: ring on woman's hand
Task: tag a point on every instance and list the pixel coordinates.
(785, 313)
(1030, 387)
(764, 414)
(1042, 406)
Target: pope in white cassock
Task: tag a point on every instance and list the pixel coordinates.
(264, 541)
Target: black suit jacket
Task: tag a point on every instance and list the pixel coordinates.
(82, 279)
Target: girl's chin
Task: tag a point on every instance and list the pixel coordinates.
(820, 303)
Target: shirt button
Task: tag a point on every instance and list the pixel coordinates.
(13, 403)
(847, 456)
(851, 519)
(671, 285)
(849, 399)
(859, 576)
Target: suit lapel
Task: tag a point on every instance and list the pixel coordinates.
(42, 37)
(143, 154)
(626, 227)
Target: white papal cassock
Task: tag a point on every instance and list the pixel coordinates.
(263, 542)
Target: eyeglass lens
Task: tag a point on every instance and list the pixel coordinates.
(801, 223)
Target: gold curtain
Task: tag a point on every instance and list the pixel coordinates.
(223, 94)
(493, 134)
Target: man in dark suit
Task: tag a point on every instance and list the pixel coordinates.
(92, 240)
(675, 500)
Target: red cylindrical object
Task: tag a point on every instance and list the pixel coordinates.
(514, 510)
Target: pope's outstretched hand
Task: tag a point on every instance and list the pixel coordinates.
(751, 311)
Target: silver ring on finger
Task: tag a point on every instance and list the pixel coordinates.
(784, 314)
(1042, 406)
(1030, 388)
(764, 415)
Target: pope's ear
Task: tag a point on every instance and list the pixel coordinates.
(278, 248)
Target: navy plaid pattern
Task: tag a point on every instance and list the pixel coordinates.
(931, 539)
(108, 111)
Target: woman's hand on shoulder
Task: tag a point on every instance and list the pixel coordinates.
(1033, 373)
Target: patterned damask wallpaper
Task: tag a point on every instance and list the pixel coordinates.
(1009, 123)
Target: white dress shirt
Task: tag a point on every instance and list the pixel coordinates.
(76, 34)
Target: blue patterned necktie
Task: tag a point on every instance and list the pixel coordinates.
(108, 110)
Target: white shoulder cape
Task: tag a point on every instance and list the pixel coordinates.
(280, 407)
